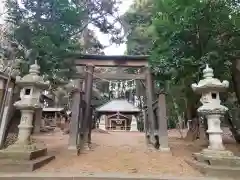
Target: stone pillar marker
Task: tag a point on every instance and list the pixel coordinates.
(215, 159)
(38, 120)
(134, 124)
(25, 150)
(75, 90)
(162, 123)
(102, 123)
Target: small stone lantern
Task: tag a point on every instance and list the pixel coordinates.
(31, 86)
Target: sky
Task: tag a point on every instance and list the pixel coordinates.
(103, 38)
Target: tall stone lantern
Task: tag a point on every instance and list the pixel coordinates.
(209, 88)
(214, 160)
(25, 154)
(31, 86)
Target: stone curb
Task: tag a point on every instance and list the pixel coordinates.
(94, 176)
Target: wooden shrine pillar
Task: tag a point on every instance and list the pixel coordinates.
(146, 126)
(150, 96)
(162, 123)
(144, 116)
(75, 118)
(80, 118)
(90, 123)
(88, 97)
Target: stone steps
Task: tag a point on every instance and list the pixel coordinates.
(22, 155)
(11, 165)
(226, 161)
(17, 160)
(215, 170)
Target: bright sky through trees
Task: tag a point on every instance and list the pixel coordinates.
(103, 38)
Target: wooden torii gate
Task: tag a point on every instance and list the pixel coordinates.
(81, 122)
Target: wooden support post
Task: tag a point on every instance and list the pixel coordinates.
(144, 116)
(80, 120)
(74, 125)
(90, 123)
(146, 126)
(88, 97)
(162, 123)
(150, 96)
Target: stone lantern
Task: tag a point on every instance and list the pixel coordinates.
(214, 160)
(25, 154)
(209, 88)
(31, 86)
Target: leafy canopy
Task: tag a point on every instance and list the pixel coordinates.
(191, 33)
(51, 30)
(138, 21)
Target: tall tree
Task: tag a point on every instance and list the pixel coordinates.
(138, 20)
(189, 34)
(49, 30)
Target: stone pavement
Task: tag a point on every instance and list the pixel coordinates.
(121, 152)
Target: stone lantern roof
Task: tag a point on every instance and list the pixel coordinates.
(209, 83)
(33, 78)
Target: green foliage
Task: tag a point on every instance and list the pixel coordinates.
(182, 36)
(51, 30)
(138, 21)
(46, 30)
(189, 34)
(192, 33)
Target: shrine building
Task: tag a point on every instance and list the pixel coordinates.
(118, 115)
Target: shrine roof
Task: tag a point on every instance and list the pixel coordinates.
(118, 105)
(111, 57)
(50, 109)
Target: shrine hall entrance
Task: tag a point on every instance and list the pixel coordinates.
(119, 124)
(118, 115)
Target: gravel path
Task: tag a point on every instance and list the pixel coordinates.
(123, 152)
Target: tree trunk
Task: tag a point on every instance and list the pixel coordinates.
(193, 132)
(236, 78)
(234, 127)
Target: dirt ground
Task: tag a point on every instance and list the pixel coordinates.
(123, 152)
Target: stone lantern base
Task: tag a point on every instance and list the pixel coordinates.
(27, 158)
(216, 163)
(25, 154)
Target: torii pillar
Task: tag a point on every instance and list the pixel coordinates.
(75, 118)
(150, 95)
(88, 97)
